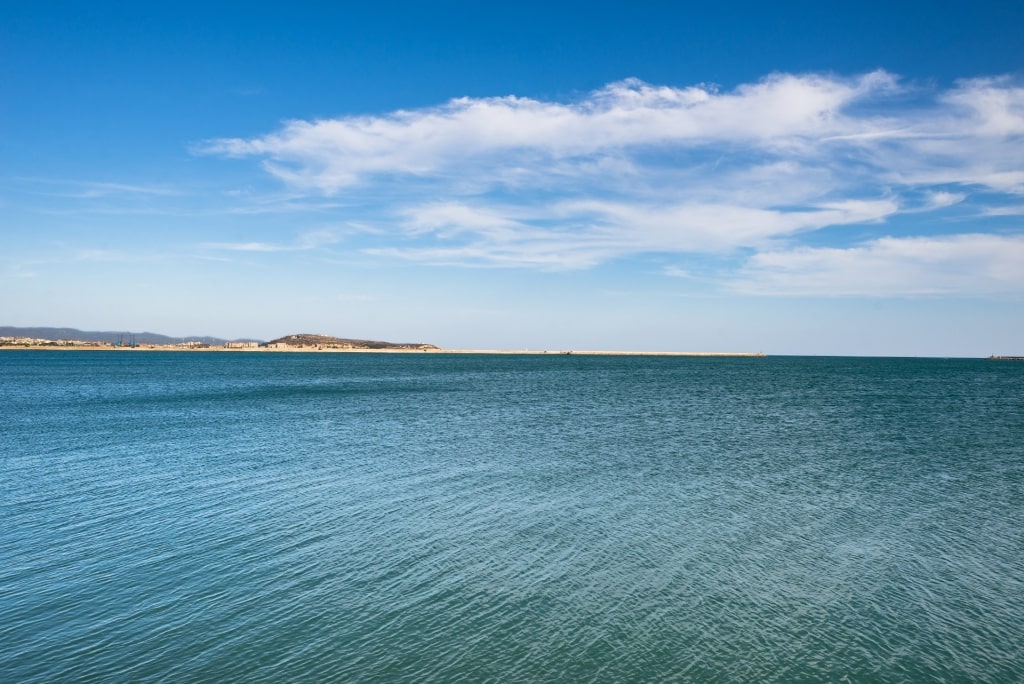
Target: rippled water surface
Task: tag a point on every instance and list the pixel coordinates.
(372, 517)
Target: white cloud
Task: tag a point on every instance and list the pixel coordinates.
(957, 265)
(286, 208)
(1010, 210)
(305, 241)
(971, 135)
(87, 190)
(318, 238)
(992, 105)
(783, 112)
(635, 168)
(249, 246)
(580, 234)
(90, 254)
(940, 200)
(696, 227)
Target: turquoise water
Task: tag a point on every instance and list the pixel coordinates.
(369, 517)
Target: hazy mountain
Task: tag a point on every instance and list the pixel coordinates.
(104, 336)
(125, 337)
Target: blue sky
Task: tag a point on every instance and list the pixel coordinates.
(806, 179)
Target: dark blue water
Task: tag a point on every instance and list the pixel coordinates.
(362, 517)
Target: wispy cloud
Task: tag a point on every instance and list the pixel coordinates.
(249, 246)
(92, 190)
(19, 271)
(285, 208)
(636, 168)
(83, 189)
(781, 113)
(305, 241)
(93, 254)
(583, 233)
(1009, 210)
(968, 264)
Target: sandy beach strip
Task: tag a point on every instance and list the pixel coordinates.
(592, 352)
(311, 350)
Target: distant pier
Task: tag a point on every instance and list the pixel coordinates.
(1006, 358)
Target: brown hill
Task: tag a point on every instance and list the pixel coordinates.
(328, 342)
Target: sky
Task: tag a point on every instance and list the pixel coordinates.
(791, 178)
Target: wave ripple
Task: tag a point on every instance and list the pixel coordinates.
(400, 518)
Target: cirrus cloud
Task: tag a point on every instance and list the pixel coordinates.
(965, 264)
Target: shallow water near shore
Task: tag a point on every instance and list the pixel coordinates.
(371, 517)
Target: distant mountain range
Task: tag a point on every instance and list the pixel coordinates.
(107, 336)
(126, 337)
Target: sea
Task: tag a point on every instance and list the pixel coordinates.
(333, 517)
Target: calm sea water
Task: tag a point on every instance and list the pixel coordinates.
(348, 517)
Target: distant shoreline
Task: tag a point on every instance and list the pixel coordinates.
(312, 350)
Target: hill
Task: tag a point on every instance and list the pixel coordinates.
(329, 342)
